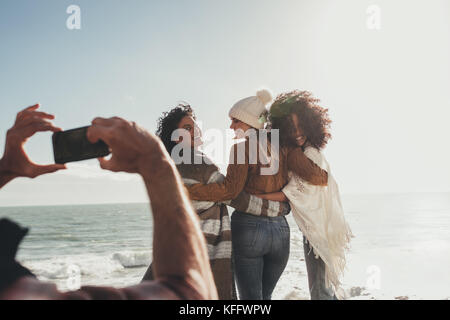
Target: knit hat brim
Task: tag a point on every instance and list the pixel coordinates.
(245, 117)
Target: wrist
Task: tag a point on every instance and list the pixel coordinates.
(4, 170)
(5, 174)
(154, 166)
(2, 166)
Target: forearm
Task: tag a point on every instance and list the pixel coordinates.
(275, 196)
(215, 192)
(306, 169)
(4, 179)
(255, 205)
(317, 176)
(228, 189)
(5, 175)
(179, 248)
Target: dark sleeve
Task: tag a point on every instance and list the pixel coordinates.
(11, 235)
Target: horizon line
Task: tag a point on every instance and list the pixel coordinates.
(148, 201)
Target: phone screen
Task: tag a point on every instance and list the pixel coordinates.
(73, 145)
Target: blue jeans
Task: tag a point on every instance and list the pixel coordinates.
(260, 253)
(316, 275)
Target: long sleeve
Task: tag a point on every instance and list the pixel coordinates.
(246, 202)
(230, 187)
(259, 207)
(305, 168)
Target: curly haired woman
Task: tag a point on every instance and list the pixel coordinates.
(302, 122)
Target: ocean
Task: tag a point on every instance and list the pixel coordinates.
(401, 248)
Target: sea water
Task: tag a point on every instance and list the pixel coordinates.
(401, 247)
(109, 244)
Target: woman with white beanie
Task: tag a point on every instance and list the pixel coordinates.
(260, 242)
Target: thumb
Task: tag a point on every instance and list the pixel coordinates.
(40, 170)
(107, 164)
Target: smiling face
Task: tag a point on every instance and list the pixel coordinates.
(297, 133)
(188, 123)
(239, 128)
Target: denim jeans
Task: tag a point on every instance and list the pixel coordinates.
(260, 253)
(316, 275)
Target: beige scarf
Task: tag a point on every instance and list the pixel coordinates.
(319, 214)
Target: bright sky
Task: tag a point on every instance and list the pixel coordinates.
(387, 90)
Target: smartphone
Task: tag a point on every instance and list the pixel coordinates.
(73, 145)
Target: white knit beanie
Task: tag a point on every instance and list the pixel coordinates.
(252, 110)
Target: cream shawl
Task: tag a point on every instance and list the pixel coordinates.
(319, 214)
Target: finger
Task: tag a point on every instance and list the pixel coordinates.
(39, 126)
(32, 114)
(39, 114)
(30, 126)
(48, 127)
(103, 121)
(44, 124)
(45, 169)
(107, 164)
(30, 121)
(25, 122)
(31, 108)
(97, 132)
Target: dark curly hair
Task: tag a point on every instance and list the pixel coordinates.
(313, 119)
(169, 121)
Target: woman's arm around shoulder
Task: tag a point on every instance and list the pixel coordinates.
(305, 168)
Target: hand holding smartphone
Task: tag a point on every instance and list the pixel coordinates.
(73, 145)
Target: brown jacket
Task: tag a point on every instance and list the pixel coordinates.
(247, 176)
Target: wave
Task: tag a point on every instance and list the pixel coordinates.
(133, 259)
(88, 265)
